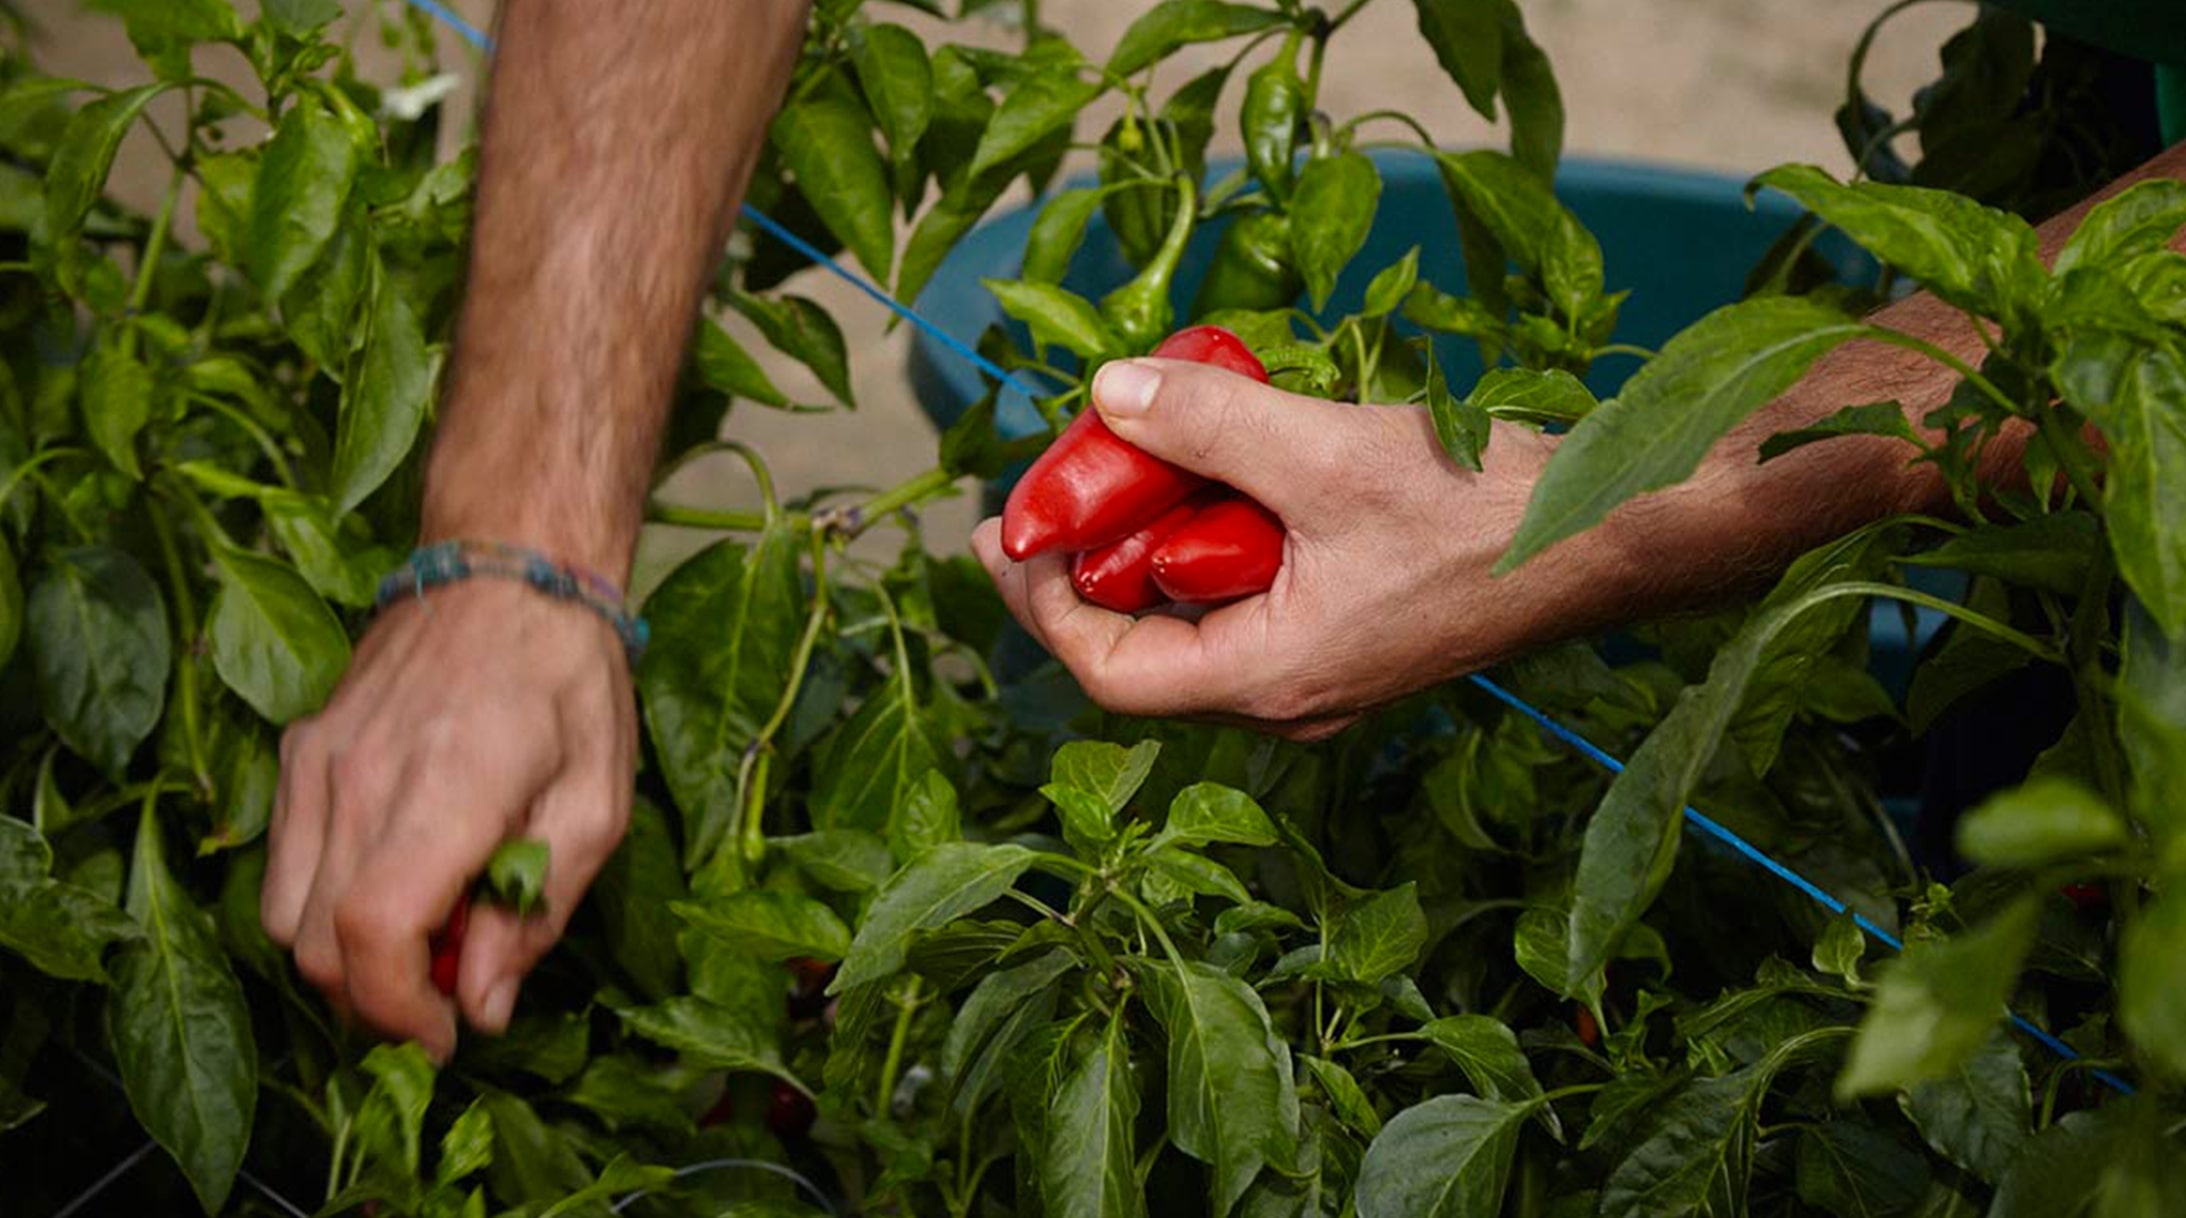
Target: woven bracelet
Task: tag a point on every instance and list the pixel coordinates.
(450, 562)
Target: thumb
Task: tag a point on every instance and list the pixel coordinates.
(1280, 448)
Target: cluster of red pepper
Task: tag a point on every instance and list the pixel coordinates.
(1144, 532)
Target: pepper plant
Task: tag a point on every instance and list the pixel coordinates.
(902, 925)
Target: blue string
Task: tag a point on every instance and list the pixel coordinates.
(811, 253)
(1585, 747)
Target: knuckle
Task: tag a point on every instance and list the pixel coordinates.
(320, 963)
(360, 923)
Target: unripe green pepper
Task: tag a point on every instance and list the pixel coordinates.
(1275, 99)
(1252, 267)
(1139, 310)
(1140, 213)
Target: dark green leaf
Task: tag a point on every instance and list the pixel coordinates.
(1977, 1115)
(304, 178)
(1706, 381)
(1532, 396)
(2135, 401)
(2046, 820)
(1225, 1087)
(634, 894)
(1345, 1097)
(2138, 220)
(1038, 107)
(1461, 425)
(770, 923)
(61, 929)
(1969, 661)
(1377, 937)
(937, 887)
(1186, 874)
(117, 403)
(2060, 1172)
(1330, 215)
(1449, 1157)
(1391, 285)
(723, 364)
(1536, 104)
(85, 155)
(11, 604)
(802, 330)
(1871, 419)
(1937, 1004)
(336, 566)
(1056, 316)
(2050, 552)
(1175, 23)
(1696, 1158)
(320, 311)
(1090, 1165)
(250, 774)
(273, 640)
(1467, 37)
(1855, 1170)
(842, 860)
(2152, 978)
(385, 398)
(876, 766)
(297, 18)
(724, 628)
(99, 644)
(1057, 232)
(1535, 229)
(1209, 812)
(992, 1002)
(1977, 258)
(898, 83)
(827, 142)
(2151, 695)
(709, 1035)
(180, 1029)
(1487, 1051)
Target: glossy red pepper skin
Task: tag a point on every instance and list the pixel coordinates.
(1120, 576)
(446, 946)
(1231, 548)
(1090, 488)
(790, 1112)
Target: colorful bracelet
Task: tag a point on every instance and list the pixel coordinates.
(451, 562)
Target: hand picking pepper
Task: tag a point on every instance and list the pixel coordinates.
(1120, 576)
(1231, 548)
(1090, 489)
(515, 880)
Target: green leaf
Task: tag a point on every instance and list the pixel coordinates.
(1461, 426)
(1377, 937)
(635, 894)
(770, 923)
(1842, 948)
(2135, 403)
(180, 1029)
(467, 1147)
(2151, 696)
(979, 1023)
(802, 330)
(841, 860)
(1487, 1051)
(1977, 1115)
(85, 155)
(1852, 1169)
(1056, 317)
(1975, 257)
(516, 874)
(303, 183)
(385, 398)
(1449, 1157)
(100, 648)
(273, 641)
(11, 604)
(61, 929)
(1038, 107)
(899, 84)
(1189, 874)
(1937, 1004)
(723, 364)
(1093, 781)
(1346, 1098)
(1225, 1087)
(1706, 381)
(2059, 1173)
(1870, 419)
(2049, 552)
(1467, 37)
(1088, 824)
(321, 309)
(1697, 1157)
(1535, 229)
(937, 887)
(1536, 104)
(710, 1036)
(2152, 979)
(153, 22)
(2044, 821)
(1969, 661)
(1392, 285)
(117, 403)
(390, 1123)
(724, 628)
(337, 567)
(250, 775)
(1532, 396)
(2138, 220)
(297, 18)
(1209, 812)
(1175, 23)
(1057, 232)
(876, 766)
(1541, 946)
(827, 142)
(1331, 213)
(1089, 1168)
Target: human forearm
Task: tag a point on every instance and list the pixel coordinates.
(617, 142)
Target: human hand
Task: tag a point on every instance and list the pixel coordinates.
(483, 713)
(1384, 588)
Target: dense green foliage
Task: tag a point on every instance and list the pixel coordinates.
(1089, 966)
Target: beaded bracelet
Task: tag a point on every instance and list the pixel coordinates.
(451, 562)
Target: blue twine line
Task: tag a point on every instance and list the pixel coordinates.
(478, 38)
(1585, 747)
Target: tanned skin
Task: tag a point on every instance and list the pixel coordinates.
(618, 139)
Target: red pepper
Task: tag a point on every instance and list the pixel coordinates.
(1590, 1032)
(1232, 548)
(2086, 896)
(447, 947)
(790, 1112)
(808, 987)
(1120, 575)
(1090, 488)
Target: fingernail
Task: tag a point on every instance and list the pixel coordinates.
(501, 1003)
(1125, 387)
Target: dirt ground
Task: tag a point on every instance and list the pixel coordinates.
(1732, 85)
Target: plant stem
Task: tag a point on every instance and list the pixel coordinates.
(1899, 338)
(155, 246)
(1149, 921)
(897, 1039)
(902, 495)
(30, 466)
(752, 775)
(1987, 625)
(2072, 455)
(186, 671)
(704, 518)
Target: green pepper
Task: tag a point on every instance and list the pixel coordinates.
(1140, 310)
(1134, 153)
(1274, 100)
(1252, 268)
